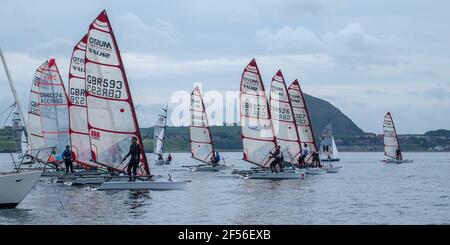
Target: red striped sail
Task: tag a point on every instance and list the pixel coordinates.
(257, 131)
(111, 116)
(283, 119)
(302, 118)
(202, 147)
(35, 136)
(78, 125)
(390, 138)
(53, 107)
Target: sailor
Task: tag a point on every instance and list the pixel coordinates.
(160, 157)
(52, 159)
(305, 152)
(276, 158)
(169, 158)
(67, 157)
(398, 154)
(135, 157)
(316, 159)
(215, 158)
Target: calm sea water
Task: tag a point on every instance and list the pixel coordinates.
(365, 191)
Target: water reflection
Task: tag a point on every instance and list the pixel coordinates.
(16, 216)
(137, 201)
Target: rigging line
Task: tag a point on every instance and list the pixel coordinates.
(13, 105)
(7, 118)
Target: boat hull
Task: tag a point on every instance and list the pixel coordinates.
(210, 168)
(15, 186)
(143, 185)
(162, 162)
(391, 160)
(277, 176)
(330, 160)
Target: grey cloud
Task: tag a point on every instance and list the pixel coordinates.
(376, 92)
(437, 93)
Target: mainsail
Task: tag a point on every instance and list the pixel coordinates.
(283, 119)
(328, 149)
(35, 135)
(202, 148)
(53, 106)
(302, 118)
(78, 125)
(111, 116)
(159, 131)
(257, 132)
(391, 144)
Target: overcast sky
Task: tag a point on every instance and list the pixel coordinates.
(365, 57)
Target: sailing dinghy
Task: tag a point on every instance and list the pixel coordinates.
(202, 148)
(258, 138)
(304, 126)
(159, 133)
(391, 144)
(111, 116)
(328, 149)
(14, 186)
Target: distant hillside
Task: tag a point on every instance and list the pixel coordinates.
(323, 112)
(439, 132)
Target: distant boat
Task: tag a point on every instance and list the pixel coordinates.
(159, 132)
(328, 149)
(111, 115)
(202, 148)
(258, 137)
(391, 144)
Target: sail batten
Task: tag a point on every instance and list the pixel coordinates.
(283, 119)
(390, 138)
(202, 147)
(108, 99)
(257, 134)
(302, 118)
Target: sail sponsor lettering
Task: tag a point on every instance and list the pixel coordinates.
(250, 83)
(51, 98)
(95, 135)
(104, 87)
(45, 78)
(100, 47)
(389, 133)
(295, 98)
(254, 110)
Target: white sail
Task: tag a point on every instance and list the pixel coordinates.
(53, 106)
(391, 144)
(79, 133)
(302, 118)
(335, 154)
(159, 131)
(202, 147)
(326, 144)
(35, 135)
(283, 119)
(111, 116)
(257, 132)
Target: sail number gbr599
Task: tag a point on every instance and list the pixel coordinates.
(104, 87)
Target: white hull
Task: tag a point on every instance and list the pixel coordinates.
(15, 186)
(268, 174)
(209, 168)
(142, 185)
(315, 171)
(391, 160)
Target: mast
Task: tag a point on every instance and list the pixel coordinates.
(14, 92)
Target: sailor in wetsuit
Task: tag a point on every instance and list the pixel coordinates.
(276, 159)
(135, 153)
